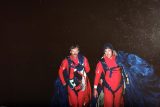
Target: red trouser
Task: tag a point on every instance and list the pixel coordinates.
(76, 100)
(114, 82)
(108, 98)
(82, 99)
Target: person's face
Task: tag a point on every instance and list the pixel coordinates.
(74, 52)
(108, 52)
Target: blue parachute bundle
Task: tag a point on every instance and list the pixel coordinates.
(143, 89)
(60, 97)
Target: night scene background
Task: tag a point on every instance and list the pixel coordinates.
(36, 36)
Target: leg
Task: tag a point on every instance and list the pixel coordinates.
(72, 98)
(87, 93)
(108, 98)
(118, 97)
(81, 98)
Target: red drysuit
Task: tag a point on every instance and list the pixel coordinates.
(83, 96)
(113, 82)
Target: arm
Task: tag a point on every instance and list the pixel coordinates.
(98, 72)
(63, 66)
(86, 65)
(97, 78)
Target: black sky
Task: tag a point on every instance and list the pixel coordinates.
(36, 35)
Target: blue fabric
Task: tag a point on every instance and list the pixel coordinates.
(60, 98)
(143, 89)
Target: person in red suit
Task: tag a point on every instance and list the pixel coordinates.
(110, 73)
(77, 82)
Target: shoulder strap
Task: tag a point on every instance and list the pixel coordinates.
(81, 59)
(104, 65)
(70, 62)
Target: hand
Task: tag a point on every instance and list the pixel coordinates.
(64, 84)
(65, 88)
(95, 93)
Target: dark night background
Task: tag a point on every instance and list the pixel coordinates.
(36, 36)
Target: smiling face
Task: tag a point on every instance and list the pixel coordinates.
(108, 52)
(74, 52)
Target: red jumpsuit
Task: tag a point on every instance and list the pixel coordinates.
(82, 97)
(113, 82)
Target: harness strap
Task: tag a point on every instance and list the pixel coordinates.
(110, 89)
(74, 82)
(105, 68)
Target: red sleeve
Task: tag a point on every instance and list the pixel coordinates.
(97, 74)
(71, 75)
(63, 66)
(86, 65)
